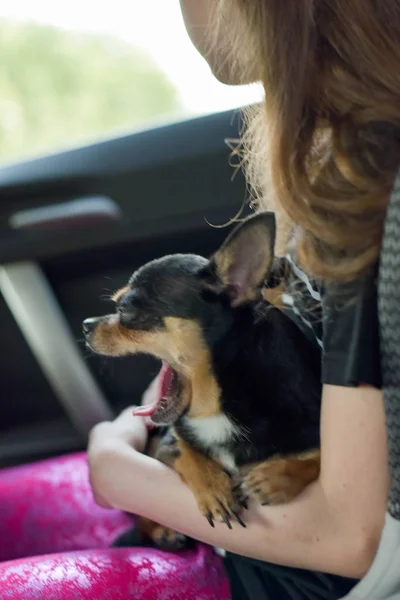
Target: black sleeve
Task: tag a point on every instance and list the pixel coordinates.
(351, 354)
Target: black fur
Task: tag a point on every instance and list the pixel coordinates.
(270, 377)
(268, 370)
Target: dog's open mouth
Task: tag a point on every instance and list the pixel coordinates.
(168, 406)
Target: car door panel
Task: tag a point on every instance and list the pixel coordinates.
(166, 184)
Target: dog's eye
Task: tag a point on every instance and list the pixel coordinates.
(127, 314)
(122, 310)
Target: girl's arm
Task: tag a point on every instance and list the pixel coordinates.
(333, 526)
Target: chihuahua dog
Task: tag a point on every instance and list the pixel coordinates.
(239, 390)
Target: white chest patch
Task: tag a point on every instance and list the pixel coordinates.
(217, 429)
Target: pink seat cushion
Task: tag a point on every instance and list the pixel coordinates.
(48, 507)
(55, 543)
(116, 574)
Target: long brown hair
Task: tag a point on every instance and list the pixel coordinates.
(325, 146)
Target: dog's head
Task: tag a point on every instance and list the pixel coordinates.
(175, 308)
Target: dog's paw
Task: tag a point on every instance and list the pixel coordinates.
(217, 501)
(210, 484)
(169, 539)
(267, 484)
(147, 533)
(279, 480)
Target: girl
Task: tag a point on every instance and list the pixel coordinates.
(325, 149)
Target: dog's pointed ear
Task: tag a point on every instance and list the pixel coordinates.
(241, 264)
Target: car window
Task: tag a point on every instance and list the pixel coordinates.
(76, 72)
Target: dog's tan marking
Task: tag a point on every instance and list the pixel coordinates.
(119, 293)
(194, 361)
(181, 344)
(161, 536)
(112, 339)
(279, 480)
(209, 483)
(274, 295)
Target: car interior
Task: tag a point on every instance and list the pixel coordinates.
(116, 147)
(73, 227)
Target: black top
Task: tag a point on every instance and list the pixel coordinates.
(343, 321)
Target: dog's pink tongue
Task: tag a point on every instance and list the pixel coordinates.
(165, 384)
(145, 411)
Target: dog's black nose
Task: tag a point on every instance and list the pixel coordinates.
(88, 325)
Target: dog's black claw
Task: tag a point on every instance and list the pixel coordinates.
(224, 509)
(227, 522)
(225, 514)
(210, 519)
(238, 519)
(266, 503)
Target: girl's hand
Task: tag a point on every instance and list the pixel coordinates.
(127, 427)
(124, 429)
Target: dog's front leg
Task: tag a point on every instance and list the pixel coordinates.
(209, 483)
(279, 479)
(147, 532)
